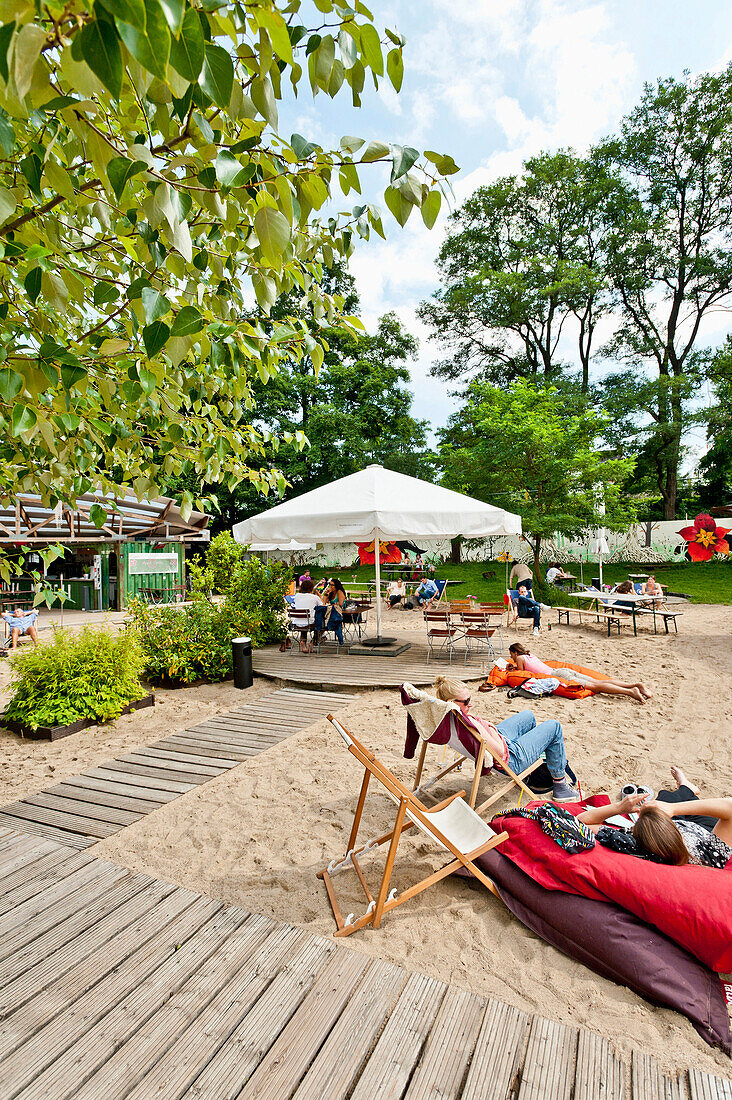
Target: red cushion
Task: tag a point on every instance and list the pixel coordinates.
(691, 905)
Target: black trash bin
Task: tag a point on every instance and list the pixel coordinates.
(596, 582)
(241, 649)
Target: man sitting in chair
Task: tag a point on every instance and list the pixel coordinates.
(21, 622)
(528, 608)
(427, 592)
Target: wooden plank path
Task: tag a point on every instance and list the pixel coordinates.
(323, 670)
(101, 801)
(115, 985)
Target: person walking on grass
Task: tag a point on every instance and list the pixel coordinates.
(517, 740)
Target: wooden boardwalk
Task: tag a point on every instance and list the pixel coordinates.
(101, 801)
(326, 670)
(115, 985)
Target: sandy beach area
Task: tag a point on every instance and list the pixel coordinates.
(257, 835)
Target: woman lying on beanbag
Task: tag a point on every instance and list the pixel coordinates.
(525, 661)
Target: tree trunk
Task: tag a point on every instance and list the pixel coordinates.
(455, 550)
(537, 564)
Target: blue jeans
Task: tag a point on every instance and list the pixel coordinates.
(529, 609)
(527, 741)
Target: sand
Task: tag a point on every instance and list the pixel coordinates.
(257, 835)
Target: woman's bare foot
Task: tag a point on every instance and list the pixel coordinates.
(636, 694)
(644, 690)
(682, 781)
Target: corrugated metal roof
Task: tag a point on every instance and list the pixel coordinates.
(29, 520)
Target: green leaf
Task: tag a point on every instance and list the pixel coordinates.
(148, 381)
(11, 384)
(229, 171)
(395, 68)
(128, 11)
(403, 157)
(150, 47)
(154, 304)
(7, 134)
(217, 78)
(32, 283)
(6, 33)
(301, 147)
(276, 28)
(31, 168)
(99, 47)
(187, 322)
(155, 337)
(23, 419)
(120, 170)
(104, 293)
(72, 373)
(264, 100)
(400, 207)
(273, 232)
(7, 204)
(375, 150)
(371, 48)
(187, 51)
(431, 208)
(174, 10)
(98, 515)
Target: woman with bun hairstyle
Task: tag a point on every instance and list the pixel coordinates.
(517, 740)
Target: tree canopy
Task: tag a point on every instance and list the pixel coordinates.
(529, 450)
(150, 217)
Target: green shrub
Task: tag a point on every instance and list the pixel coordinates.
(184, 644)
(89, 674)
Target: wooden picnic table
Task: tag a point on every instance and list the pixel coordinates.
(617, 601)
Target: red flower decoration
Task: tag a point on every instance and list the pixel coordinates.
(705, 539)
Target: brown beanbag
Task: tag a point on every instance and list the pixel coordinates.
(618, 945)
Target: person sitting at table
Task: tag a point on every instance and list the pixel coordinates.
(417, 567)
(396, 590)
(625, 588)
(556, 573)
(306, 600)
(21, 622)
(525, 661)
(426, 592)
(528, 608)
(651, 587)
(303, 577)
(520, 574)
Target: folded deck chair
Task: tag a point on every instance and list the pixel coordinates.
(432, 721)
(452, 825)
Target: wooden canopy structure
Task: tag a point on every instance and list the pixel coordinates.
(29, 521)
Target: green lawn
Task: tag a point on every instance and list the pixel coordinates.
(705, 583)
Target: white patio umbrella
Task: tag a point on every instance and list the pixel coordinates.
(381, 505)
(292, 544)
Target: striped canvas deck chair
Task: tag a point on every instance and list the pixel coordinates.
(452, 825)
(444, 725)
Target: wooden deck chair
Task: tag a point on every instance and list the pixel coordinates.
(451, 824)
(462, 734)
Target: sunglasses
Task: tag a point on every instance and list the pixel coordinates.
(465, 702)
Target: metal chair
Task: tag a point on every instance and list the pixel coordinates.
(477, 633)
(440, 629)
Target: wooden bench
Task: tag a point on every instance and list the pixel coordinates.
(661, 613)
(612, 619)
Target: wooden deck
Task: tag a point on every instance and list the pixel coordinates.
(101, 801)
(115, 985)
(326, 670)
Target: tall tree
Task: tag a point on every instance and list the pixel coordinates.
(669, 244)
(716, 465)
(530, 451)
(524, 255)
(143, 191)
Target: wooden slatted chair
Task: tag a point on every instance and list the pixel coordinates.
(464, 735)
(452, 825)
(477, 633)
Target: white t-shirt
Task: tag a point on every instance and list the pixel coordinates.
(307, 601)
(552, 574)
(396, 588)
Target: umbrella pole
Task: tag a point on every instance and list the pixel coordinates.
(377, 559)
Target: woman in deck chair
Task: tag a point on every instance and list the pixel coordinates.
(525, 661)
(517, 740)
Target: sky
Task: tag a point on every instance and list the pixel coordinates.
(492, 82)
